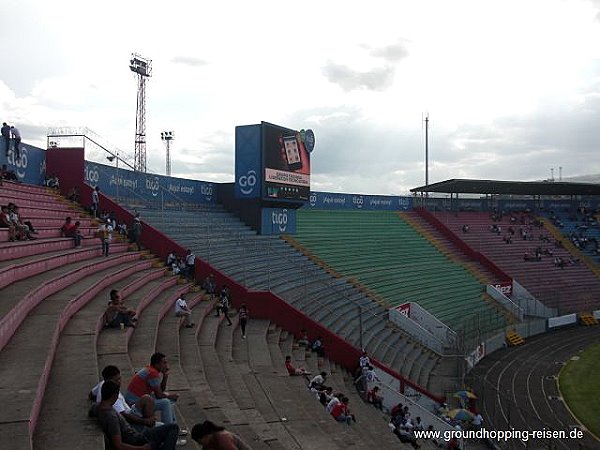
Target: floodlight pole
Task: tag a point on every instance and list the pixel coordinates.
(142, 67)
(427, 150)
(167, 137)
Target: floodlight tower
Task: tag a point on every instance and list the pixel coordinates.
(142, 67)
(167, 137)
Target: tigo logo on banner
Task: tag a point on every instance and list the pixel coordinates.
(280, 219)
(312, 199)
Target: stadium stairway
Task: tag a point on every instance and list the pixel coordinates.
(269, 263)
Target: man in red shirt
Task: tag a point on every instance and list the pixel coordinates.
(152, 380)
(341, 412)
(292, 370)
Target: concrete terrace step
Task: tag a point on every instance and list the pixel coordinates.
(34, 338)
(75, 370)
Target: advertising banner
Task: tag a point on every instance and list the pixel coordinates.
(331, 200)
(286, 163)
(505, 288)
(148, 188)
(278, 221)
(248, 168)
(29, 167)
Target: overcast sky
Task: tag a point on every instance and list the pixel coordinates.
(512, 88)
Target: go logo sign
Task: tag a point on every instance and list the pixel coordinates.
(280, 219)
(358, 201)
(247, 182)
(91, 175)
(20, 163)
(312, 199)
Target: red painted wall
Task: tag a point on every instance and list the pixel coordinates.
(68, 164)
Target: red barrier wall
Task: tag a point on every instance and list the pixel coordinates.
(263, 305)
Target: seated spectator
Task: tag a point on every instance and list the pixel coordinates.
(73, 194)
(53, 182)
(293, 371)
(303, 341)
(406, 437)
(117, 314)
(317, 347)
(209, 285)
(507, 239)
(465, 228)
(171, 259)
(396, 410)
(182, 310)
(6, 222)
(337, 398)
(25, 228)
(214, 437)
(418, 426)
(374, 397)
(121, 435)
(70, 229)
(142, 413)
(326, 395)
(8, 175)
(341, 412)
(152, 380)
(318, 382)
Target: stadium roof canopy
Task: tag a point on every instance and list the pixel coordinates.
(462, 186)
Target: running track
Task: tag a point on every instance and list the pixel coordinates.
(517, 387)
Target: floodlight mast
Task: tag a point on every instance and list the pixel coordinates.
(142, 67)
(167, 137)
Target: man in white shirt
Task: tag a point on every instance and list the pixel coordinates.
(182, 310)
(318, 381)
(364, 360)
(142, 413)
(190, 263)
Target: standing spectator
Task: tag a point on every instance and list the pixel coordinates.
(364, 359)
(95, 201)
(6, 136)
(317, 347)
(224, 304)
(105, 234)
(182, 310)
(190, 264)
(136, 233)
(17, 141)
(122, 436)
(243, 314)
(214, 437)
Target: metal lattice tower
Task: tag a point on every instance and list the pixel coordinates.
(167, 137)
(142, 67)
